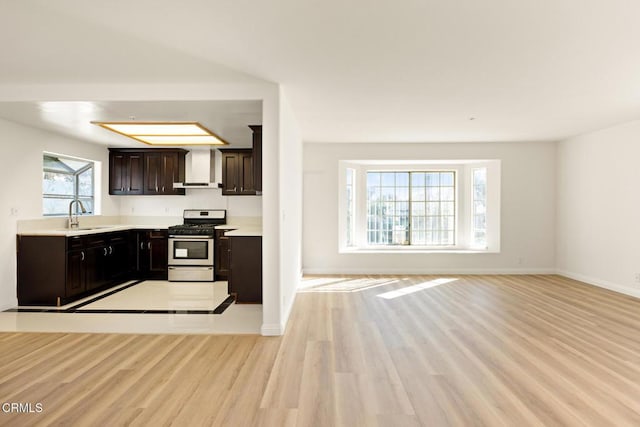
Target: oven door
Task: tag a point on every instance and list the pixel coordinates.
(191, 250)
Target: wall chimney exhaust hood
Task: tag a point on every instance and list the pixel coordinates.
(203, 169)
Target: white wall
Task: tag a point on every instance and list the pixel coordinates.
(528, 209)
(290, 206)
(21, 178)
(598, 233)
(236, 206)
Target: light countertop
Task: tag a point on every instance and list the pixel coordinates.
(234, 230)
(241, 230)
(66, 232)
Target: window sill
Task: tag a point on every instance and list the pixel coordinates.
(415, 250)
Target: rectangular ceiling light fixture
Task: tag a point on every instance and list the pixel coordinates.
(165, 133)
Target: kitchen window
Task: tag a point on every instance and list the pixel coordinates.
(424, 206)
(65, 179)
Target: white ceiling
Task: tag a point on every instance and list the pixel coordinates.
(228, 119)
(362, 71)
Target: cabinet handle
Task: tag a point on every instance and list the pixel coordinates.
(163, 188)
(122, 189)
(82, 256)
(110, 250)
(156, 188)
(129, 189)
(105, 251)
(149, 245)
(141, 245)
(235, 188)
(241, 189)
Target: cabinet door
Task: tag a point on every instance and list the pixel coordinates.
(135, 177)
(230, 174)
(95, 266)
(246, 173)
(152, 173)
(125, 173)
(171, 173)
(221, 262)
(142, 251)
(245, 270)
(158, 254)
(76, 277)
(257, 157)
(118, 253)
(117, 173)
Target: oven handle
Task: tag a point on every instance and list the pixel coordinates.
(192, 238)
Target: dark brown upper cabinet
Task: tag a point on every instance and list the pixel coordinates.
(242, 168)
(125, 173)
(237, 172)
(149, 172)
(257, 157)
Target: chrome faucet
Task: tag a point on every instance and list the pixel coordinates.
(74, 222)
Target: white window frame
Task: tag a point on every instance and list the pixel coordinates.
(463, 203)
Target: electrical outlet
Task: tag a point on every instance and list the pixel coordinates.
(637, 276)
(14, 212)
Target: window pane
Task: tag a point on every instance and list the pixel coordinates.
(388, 179)
(447, 179)
(433, 208)
(417, 194)
(446, 193)
(433, 179)
(479, 207)
(447, 208)
(373, 179)
(417, 179)
(402, 194)
(402, 209)
(418, 223)
(85, 183)
(448, 223)
(402, 179)
(88, 206)
(433, 193)
(55, 206)
(418, 237)
(57, 183)
(479, 192)
(388, 193)
(479, 176)
(417, 208)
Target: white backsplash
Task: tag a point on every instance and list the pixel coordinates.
(236, 206)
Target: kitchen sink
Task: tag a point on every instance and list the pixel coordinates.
(98, 227)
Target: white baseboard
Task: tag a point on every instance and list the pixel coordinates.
(4, 307)
(430, 271)
(600, 283)
(271, 330)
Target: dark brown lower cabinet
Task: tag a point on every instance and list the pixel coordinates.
(221, 261)
(152, 254)
(245, 268)
(55, 270)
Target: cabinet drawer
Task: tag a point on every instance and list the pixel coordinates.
(75, 242)
(94, 240)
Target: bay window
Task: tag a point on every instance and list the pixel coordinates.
(443, 205)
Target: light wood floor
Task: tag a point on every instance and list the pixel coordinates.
(478, 350)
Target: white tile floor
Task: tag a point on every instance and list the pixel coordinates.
(148, 295)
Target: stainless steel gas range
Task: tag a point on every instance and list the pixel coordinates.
(191, 246)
